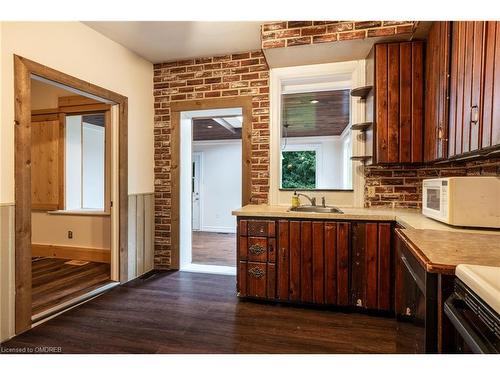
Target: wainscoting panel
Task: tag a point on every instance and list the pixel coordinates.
(141, 232)
(7, 264)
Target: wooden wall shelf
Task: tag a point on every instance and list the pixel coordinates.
(361, 92)
(363, 159)
(362, 126)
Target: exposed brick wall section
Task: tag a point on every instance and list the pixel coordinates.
(241, 74)
(401, 186)
(294, 33)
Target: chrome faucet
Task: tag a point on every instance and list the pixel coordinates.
(311, 199)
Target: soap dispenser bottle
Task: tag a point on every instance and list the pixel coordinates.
(295, 200)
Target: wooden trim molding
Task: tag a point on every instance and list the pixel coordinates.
(23, 71)
(71, 252)
(245, 102)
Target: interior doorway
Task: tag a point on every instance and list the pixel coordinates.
(211, 143)
(49, 198)
(70, 196)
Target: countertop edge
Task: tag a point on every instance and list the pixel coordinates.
(422, 258)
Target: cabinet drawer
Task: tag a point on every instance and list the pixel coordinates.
(256, 279)
(262, 228)
(257, 249)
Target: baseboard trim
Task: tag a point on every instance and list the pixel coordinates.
(218, 229)
(71, 252)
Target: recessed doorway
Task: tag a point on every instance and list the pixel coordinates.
(211, 143)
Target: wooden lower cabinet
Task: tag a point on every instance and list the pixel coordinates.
(319, 262)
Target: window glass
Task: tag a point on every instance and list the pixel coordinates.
(316, 140)
(298, 169)
(85, 162)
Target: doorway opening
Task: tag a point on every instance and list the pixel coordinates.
(211, 171)
(70, 196)
(70, 185)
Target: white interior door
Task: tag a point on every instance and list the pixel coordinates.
(195, 189)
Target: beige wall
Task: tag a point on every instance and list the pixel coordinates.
(88, 231)
(44, 96)
(77, 50)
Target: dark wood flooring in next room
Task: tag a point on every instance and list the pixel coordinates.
(55, 282)
(183, 312)
(212, 248)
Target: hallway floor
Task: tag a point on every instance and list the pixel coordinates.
(181, 312)
(217, 249)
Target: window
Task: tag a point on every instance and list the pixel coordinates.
(85, 162)
(315, 137)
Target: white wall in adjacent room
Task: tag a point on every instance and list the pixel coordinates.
(220, 185)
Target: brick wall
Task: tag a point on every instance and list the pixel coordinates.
(401, 186)
(294, 33)
(241, 74)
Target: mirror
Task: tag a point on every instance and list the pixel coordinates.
(316, 141)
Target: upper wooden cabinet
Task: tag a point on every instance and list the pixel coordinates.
(436, 91)
(490, 126)
(467, 52)
(462, 92)
(398, 102)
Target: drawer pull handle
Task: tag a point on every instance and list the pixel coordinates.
(256, 249)
(256, 272)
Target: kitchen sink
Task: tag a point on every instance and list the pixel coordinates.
(320, 209)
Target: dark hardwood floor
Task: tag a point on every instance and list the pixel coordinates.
(55, 282)
(211, 248)
(199, 313)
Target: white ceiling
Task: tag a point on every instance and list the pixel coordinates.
(161, 41)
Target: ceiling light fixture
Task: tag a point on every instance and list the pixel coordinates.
(314, 101)
(209, 126)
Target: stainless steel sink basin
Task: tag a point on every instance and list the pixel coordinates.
(321, 209)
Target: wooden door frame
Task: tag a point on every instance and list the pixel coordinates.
(23, 70)
(245, 103)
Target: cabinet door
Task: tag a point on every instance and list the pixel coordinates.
(466, 85)
(436, 91)
(283, 262)
(313, 262)
(398, 102)
(370, 275)
(47, 153)
(491, 104)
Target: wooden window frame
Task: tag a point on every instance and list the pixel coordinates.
(245, 102)
(23, 71)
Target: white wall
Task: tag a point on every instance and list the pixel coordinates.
(77, 50)
(220, 184)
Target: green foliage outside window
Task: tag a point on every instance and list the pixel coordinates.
(298, 170)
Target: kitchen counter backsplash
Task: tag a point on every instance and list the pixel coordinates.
(400, 186)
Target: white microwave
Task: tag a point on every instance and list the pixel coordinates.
(463, 201)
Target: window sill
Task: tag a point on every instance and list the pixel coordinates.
(79, 213)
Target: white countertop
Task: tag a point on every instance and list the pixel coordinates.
(484, 281)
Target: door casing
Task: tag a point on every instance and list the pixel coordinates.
(23, 70)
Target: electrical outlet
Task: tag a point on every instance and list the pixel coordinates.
(371, 191)
(70, 234)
